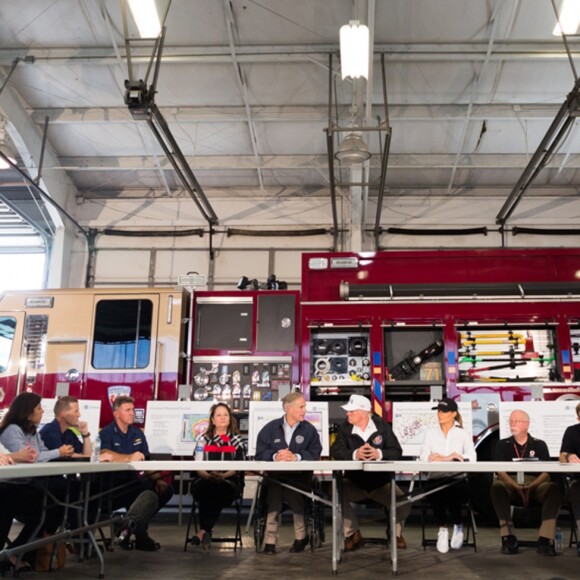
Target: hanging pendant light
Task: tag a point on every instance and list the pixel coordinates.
(353, 150)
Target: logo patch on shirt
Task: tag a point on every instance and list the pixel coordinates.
(532, 453)
(137, 441)
(299, 439)
(277, 440)
(378, 440)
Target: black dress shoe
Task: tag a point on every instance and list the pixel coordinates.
(299, 545)
(146, 544)
(509, 544)
(270, 549)
(546, 547)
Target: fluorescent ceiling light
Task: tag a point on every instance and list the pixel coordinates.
(569, 18)
(146, 17)
(354, 50)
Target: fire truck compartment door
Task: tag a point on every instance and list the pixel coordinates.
(11, 332)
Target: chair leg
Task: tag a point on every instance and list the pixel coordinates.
(192, 518)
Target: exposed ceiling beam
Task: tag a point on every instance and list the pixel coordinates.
(275, 162)
(407, 52)
(266, 114)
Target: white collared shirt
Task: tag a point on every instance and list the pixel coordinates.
(458, 440)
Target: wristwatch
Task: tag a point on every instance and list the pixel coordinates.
(85, 436)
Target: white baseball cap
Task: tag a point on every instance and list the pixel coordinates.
(357, 403)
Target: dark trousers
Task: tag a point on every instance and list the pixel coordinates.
(449, 499)
(211, 497)
(24, 502)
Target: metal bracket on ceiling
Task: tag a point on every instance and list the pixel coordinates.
(140, 99)
(557, 132)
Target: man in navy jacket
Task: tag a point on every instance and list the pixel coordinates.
(289, 438)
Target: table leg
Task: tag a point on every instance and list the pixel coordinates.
(336, 519)
(90, 533)
(393, 516)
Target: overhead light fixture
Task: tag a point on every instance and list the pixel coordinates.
(569, 18)
(354, 50)
(352, 150)
(146, 17)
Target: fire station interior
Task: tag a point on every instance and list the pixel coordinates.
(246, 218)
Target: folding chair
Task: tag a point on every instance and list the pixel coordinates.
(236, 539)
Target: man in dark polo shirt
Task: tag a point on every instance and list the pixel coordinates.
(523, 489)
(570, 453)
(122, 442)
(67, 429)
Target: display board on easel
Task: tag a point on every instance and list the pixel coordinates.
(173, 426)
(262, 412)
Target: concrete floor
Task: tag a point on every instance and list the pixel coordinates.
(371, 561)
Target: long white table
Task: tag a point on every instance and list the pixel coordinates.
(458, 467)
(336, 468)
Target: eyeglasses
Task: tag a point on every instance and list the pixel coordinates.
(518, 421)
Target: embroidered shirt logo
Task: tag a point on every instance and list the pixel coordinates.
(299, 439)
(378, 440)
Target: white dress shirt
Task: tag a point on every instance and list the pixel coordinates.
(457, 440)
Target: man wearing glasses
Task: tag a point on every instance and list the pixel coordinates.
(525, 489)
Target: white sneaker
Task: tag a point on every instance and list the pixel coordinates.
(457, 537)
(443, 540)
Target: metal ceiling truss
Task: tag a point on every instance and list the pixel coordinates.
(334, 167)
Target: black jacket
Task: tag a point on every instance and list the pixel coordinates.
(383, 438)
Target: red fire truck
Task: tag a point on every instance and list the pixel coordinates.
(478, 325)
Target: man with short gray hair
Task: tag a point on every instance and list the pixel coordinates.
(509, 489)
(289, 438)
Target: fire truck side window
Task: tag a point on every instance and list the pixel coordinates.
(7, 328)
(122, 336)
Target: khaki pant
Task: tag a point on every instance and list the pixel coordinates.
(548, 494)
(279, 495)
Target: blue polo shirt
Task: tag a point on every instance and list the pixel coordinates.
(54, 438)
(113, 439)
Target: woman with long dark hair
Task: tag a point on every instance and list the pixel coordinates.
(214, 490)
(448, 442)
(18, 428)
(19, 436)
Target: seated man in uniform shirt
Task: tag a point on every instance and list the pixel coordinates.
(366, 437)
(122, 442)
(66, 429)
(570, 453)
(289, 438)
(523, 489)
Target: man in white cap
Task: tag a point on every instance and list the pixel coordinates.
(366, 437)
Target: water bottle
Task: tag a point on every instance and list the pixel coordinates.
(199, 445)
(559, 541)
(96, 450)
